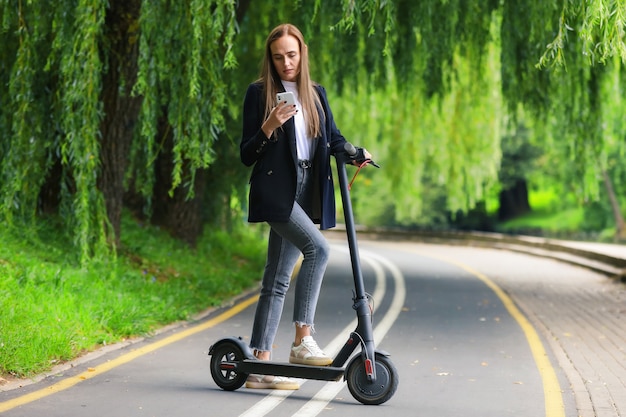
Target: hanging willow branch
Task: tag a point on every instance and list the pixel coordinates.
(185, 48)
(81, 70)
(600, 27)
(427, 77)
(24, 111)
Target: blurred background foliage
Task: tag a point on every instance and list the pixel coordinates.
(479, 112)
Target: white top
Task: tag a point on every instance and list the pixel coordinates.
(303, 142)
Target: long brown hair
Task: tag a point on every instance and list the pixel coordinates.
(309, 99)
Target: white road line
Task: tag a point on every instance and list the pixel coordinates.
(397, 303)
(330, 390)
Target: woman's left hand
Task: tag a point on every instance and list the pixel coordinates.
(366, 156)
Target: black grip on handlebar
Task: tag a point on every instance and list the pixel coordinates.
(358, 154)
(350, 149)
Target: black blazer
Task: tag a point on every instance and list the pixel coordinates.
(273, 178)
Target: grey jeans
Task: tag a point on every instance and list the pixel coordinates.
(299, 235)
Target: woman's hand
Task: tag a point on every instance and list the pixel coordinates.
(366, 156)
(278, 116)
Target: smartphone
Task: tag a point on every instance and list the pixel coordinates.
(288, 97)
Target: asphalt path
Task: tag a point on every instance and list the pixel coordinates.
(460, 345)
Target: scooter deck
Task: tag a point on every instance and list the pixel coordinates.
(252, 366)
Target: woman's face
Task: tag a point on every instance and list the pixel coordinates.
(286, 57)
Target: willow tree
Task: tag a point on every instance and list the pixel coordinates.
(106, 99)
(432, 87)
(557, 64)
(89, 82)
(587, 58)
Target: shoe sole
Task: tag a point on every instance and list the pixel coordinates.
(311, 362)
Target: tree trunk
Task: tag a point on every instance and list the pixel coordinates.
(50, 192)
(180, 216)
(514, 201)
(177, 214)
(620, 226)
(242, 8)
(120, 109)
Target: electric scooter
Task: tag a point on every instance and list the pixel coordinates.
(371, 377)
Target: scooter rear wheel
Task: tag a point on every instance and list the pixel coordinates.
(372, 393)
(223, 375)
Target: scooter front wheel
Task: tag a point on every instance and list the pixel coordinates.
(367, 392)
(223, 354)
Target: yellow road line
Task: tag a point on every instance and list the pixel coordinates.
(107, 366)
(553, 397)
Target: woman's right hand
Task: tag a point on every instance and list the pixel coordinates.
(279, 115)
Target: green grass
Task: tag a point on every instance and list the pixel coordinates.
(561, 216)
(551, 214)
(565, 221)
(53, 310)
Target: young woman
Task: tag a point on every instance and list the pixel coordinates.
(291, 188)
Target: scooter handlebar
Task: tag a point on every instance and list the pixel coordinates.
(357, 154)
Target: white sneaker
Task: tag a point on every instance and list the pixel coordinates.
(271, 382)
(308, 353)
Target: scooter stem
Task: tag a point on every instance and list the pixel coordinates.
(364, 329)
(359, 287)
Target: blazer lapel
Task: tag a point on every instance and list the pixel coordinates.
(290, 135)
